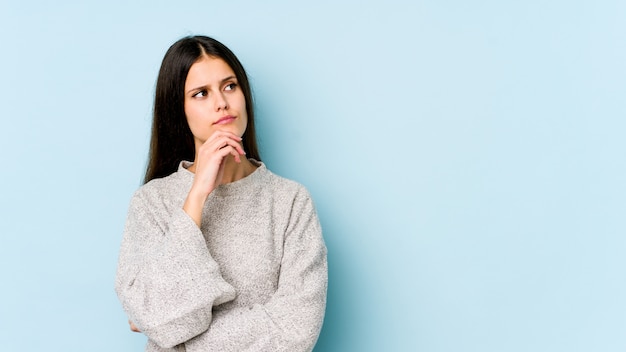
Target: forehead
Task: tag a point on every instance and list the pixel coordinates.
(208, 71)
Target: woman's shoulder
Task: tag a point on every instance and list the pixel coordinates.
(164, 187)
(285, 185)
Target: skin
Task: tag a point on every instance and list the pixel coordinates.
(212, 93)
(133, 328)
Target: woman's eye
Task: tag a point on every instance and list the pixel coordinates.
(200, 94)
(231, 86)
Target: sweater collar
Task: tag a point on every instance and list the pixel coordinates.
(229, 188)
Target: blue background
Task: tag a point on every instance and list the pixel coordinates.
(467, 159)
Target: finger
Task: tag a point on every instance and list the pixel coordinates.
(223, 151)
(229, 149)
(133, 327)
(235, 153)
(223, 143)
(218, 149)
(223, 134)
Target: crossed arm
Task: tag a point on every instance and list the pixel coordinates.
(169, 285)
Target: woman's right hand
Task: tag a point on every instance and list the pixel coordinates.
(209, 169)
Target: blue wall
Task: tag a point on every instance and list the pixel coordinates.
(467, 160)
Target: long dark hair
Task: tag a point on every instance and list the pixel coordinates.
(171, 140)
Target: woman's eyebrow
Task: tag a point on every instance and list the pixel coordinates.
(207, 85)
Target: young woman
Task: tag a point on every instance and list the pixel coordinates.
(218, 253)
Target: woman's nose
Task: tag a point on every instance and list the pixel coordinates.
(221, 103)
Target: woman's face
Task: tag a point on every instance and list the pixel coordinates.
(213, 100)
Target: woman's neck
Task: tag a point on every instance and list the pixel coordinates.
(234, 171)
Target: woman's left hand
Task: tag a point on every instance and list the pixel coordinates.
(133, 327)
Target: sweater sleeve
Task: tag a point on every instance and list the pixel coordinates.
(292, 318)
(166, 279)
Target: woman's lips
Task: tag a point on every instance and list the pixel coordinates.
(225, 120)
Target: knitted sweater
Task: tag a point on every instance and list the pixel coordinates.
(252, 278)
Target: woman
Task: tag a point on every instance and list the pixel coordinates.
(218, 253)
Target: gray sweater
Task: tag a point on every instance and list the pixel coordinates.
(252, 278)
